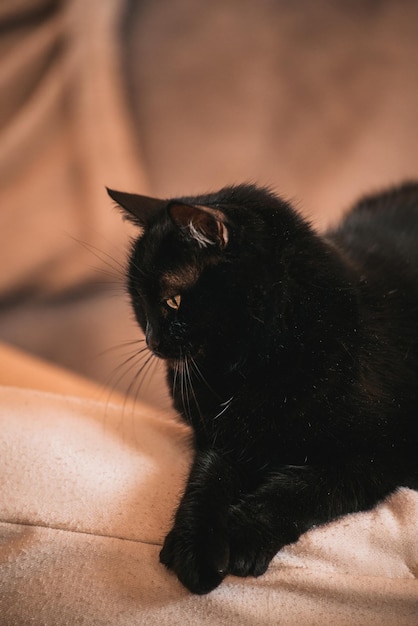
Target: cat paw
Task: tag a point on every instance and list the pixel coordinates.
(199, 558)
(249, 560)
(252, 546)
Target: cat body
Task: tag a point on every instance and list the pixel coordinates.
(292, 355)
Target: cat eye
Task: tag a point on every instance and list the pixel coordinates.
(174, 302)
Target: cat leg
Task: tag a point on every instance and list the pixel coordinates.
(197, 547)
(289, 503)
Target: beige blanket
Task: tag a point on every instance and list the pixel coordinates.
(87, 493)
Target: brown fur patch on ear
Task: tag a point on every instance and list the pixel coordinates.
(207, 226)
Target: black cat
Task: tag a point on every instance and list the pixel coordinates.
(293, 356)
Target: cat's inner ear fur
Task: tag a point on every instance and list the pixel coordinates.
(206, 226)
(137, 209)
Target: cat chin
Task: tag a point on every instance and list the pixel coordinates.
(171, 361)
(175, 358)
(171, 357)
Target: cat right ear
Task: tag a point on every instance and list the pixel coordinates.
(137, 209)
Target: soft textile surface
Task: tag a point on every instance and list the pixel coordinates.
(65, 133)
(87, 494)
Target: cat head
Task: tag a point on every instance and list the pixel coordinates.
(208, 274)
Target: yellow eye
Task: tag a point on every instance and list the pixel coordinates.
(174, 302)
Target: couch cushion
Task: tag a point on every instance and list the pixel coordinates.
(87, 494)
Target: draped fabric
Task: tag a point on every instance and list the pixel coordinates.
(65, 133)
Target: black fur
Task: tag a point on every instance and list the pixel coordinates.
(293, 356)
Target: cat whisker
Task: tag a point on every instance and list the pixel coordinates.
(181, 380)
(124, 368)
(138, 269)
(225, 406)
(137, 376)
(185, 394)
(111, 262)
(176, 376)
(190, 372)
(185, 386)
(202, 378)
(122, 345)
(112, 275)
(190, 383)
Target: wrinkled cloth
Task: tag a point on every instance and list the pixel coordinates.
(65, 133)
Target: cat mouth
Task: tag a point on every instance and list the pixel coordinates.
(174, 354)
(170, 357)
(162, 351)
(175, 359)
(159, 354)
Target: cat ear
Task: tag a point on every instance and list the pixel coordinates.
(206, 226)
(137, 209)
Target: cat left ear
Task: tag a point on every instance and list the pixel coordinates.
(206, 226)
(137, 209)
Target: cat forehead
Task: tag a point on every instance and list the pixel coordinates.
(180, 279)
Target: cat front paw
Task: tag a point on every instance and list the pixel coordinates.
(199, 557)
(252, 544)
(249, 558)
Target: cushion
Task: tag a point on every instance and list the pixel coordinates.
(87, 493)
